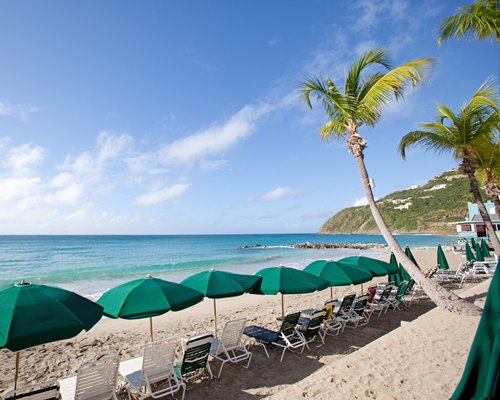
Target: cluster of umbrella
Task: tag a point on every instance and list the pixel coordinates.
(481, 249)
(31, 314)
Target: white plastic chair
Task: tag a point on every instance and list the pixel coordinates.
(155, 366)
(230, 347)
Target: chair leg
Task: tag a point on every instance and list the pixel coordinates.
(283, 354)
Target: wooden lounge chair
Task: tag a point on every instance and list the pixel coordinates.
(286, 338)
(195, 360)
(152, 375)
(230, 347)
(42, 391)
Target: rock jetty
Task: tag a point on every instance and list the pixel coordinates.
(356, 246)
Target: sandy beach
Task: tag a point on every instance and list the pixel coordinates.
(396, 356)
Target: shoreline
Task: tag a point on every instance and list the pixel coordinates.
(127, 337)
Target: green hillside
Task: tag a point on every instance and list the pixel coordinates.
(425, 209)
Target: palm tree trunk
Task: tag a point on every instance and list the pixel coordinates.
(493, 192)
(439, 295)
(474, 188)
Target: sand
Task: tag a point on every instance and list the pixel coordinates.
(402, 354)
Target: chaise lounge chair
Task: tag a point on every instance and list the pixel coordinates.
(93, 380)
(195, 360)
(230, 347)
(286, 338)
(331, 325)
(145, 374)
(359, 315)
(312, 328)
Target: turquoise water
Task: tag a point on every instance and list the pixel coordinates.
(90, 265)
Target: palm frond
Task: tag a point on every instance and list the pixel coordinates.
(352, 80)
(334, 128)
(391, 85)
(427, 140)
(480, 20)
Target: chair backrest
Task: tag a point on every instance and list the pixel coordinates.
(314, 325)
(347, 303)
(409, 286)
(97, 379)
(401, 290)
(359, 307)
(196, 351)
(232, 334)
(385, 294)
(45, 391)
(289, 323)
(158, 360)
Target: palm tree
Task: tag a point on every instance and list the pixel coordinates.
(481, 19)
(360, 103)
(463, 135)
(487, 157)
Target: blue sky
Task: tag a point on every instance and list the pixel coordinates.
(183, 117)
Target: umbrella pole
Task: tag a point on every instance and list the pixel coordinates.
(151, 328)
(331, 293)
(17, 371)
(215, 318)
(361, 289)
(282, 306)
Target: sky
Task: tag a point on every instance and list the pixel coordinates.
(184, 117)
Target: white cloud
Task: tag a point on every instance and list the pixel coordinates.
(22, 111)
(23, 158)
(360, 202)
(272, 42)
(216, 138)
(16, 188)
(161, 195)
(276, 193)
(372, 13)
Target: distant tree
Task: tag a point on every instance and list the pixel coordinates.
(360, 102)
(480, 20)
(487, 155)
(464, 135)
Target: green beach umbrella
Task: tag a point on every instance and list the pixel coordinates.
(473, 243)
(485, 249)
(31, 315)
(287, 280)
(479, 252)
(376, 267)
(405, 276)
(481, 377)
(441, 259)
(147, 298)
(219, 284)
(410, 256)
(469, 255)
(396, 277)
(339, 273)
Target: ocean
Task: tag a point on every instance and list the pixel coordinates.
(90, 265)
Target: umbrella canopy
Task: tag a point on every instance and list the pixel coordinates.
(339, 273)
(469, 255)
(441, 259)
(35, 314)
(376, 267)
(410, 256)
(286, 280)
(485, 248)
(481, 377)
(479, 252)
(396, 278)
(147, 297)
(219, 284)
